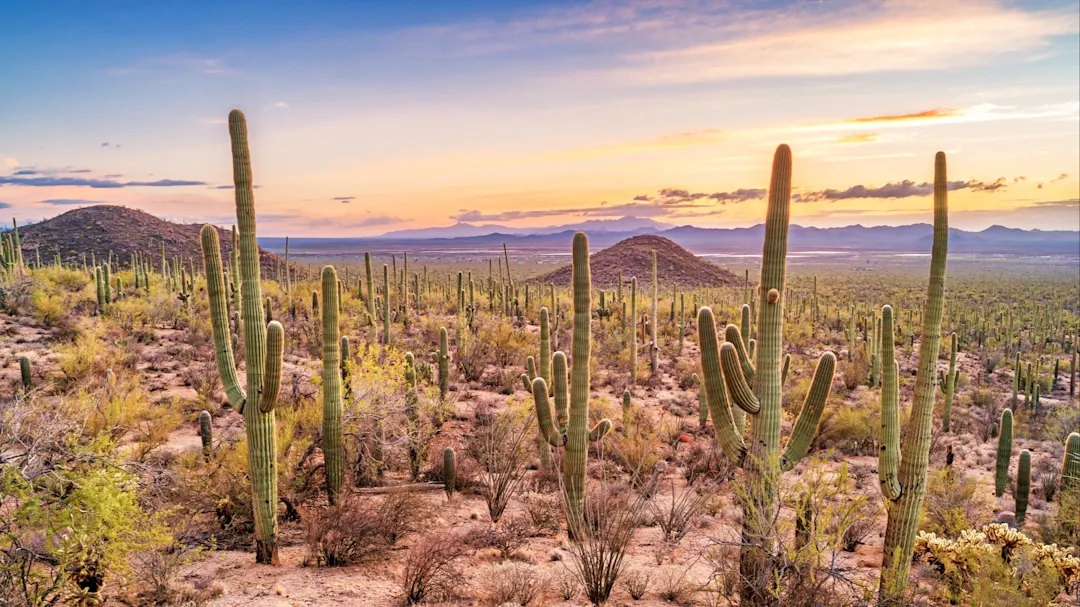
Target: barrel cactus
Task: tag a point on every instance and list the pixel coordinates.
(263, 346)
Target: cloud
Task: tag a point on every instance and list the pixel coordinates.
(106, 144)
(1072, 203)
(231, 187)
(858, 138)
(846, 38)
(344, 199)
(93, 183)
(376, 220)
(282, 104)
(934, 113)
(71, 201)
(902, 189)
(1060, 177)
(5, 205)
(740, 195)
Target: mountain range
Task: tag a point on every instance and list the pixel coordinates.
(914, 238)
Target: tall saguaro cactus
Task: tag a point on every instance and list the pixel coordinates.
(572, 431)
(263, 345)
(728, 373)
(1023, 486)
(333, 440)
(905, 496)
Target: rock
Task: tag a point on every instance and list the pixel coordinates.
(1009, 518)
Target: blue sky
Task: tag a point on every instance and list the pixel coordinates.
(373, 116)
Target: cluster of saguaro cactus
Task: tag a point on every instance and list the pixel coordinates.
(333, 437)
(571, 430)
(1004, 452)
(263, 346)
(903, 474)
(728, 373)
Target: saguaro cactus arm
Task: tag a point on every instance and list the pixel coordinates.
(275, 347)
(219, 318)
(734, 380)
(734, 336)
(730, 438)
(806, 425)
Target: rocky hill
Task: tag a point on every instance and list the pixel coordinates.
(674, 265)
(103, 228)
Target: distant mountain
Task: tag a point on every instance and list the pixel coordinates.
(623, 225)
(914, 238)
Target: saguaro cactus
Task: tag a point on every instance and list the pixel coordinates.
(905, 496)
(449, 466)
(263, 345)
(654, 345)
(633, 331)
(572, 430)
(442, 357)
(949, 385)
(1023, 486)
(1070, 464)
(25, 374)
(760, 453)
(333, 438)
(545, 345)
(1004, 452)
(206, 433)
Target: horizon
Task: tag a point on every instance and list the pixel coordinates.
(367, 120)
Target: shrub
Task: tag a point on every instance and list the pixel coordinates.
(344, 534)
(952, 503)
(514, 583)
(401, 513)
(543, 511)
(636, 583)
(431, 571)
(601, 540)
(854, 371)
(680, 510)
(501, 451)
(49, 309)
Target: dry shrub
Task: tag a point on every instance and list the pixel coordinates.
(854, 371)
(345, 534)
(501, 451)
(507, 536)
(677, 512)
(544, 512)
(401, 513)
(636, 583)
(611, 515)
(514, 584)
(672, 585)
(432, 571)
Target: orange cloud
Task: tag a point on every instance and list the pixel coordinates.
(857, 138)
(931, 114)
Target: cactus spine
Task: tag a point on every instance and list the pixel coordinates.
(206, 433)
(760, 454)
(950, 385)
(1023, 486)
(905, 504)
(263, 345)
(573, 431)
(1004, 452)
(333, 440)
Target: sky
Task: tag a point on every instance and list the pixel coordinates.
(369, 116)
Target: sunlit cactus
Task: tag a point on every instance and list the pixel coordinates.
(572, 430)
(1004, 452)
(263, 346)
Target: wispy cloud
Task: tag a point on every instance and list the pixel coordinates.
(5, 205)
(93, 183)
(986, 112)
(1072, 203)
(843, 38)
(214, 66)
(282, 104)
(858, 138)
(106, 144)
(902, 189)
(71, 201)
(344, 198)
